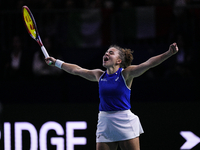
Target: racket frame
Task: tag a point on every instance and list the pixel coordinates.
(37, 38)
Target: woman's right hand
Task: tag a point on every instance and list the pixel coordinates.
(53, 61)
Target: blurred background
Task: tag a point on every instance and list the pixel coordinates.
(80, 31)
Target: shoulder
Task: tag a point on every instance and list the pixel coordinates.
(128, 71)
(98, 73)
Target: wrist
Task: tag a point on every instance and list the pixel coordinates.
(169, 53)
(59, 63)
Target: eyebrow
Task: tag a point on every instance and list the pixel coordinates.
(110, 50)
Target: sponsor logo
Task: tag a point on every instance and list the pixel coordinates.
(116, 78)
(40, 140)
(103, 80)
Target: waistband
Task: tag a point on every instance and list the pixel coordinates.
(115, 112)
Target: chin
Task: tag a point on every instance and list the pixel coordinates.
(104, 65)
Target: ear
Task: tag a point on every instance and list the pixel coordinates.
(119, 61)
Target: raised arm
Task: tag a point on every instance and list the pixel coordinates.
(92, 75)
(137, 70)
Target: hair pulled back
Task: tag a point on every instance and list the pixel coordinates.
(125, 55)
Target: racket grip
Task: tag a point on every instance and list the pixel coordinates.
(45, 53)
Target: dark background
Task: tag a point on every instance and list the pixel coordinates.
(166, 98)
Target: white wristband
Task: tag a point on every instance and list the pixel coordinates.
(59, 63)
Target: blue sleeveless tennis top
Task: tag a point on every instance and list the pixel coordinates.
(113, 92)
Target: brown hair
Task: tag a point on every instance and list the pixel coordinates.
(125, 55)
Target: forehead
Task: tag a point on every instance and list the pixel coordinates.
(113, 49)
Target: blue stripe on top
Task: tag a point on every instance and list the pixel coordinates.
(113, 92)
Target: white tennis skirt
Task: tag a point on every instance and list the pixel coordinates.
(117, 126)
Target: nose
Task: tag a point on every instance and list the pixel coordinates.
(106, 53)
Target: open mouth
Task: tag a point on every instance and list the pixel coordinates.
(105, 58)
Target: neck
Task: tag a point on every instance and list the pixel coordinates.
(112, 70)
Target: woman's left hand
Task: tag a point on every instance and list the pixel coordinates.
(173, 48)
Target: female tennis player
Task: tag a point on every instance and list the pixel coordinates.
(117, 125)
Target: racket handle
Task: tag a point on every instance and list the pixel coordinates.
(45, 53)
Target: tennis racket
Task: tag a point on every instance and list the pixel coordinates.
(32, 29)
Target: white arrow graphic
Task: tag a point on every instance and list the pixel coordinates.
(191, 139)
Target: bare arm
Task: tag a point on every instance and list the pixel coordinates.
(137, 70)
(92, 75)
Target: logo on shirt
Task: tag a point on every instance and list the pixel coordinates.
(103, 80)
(116, 78)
